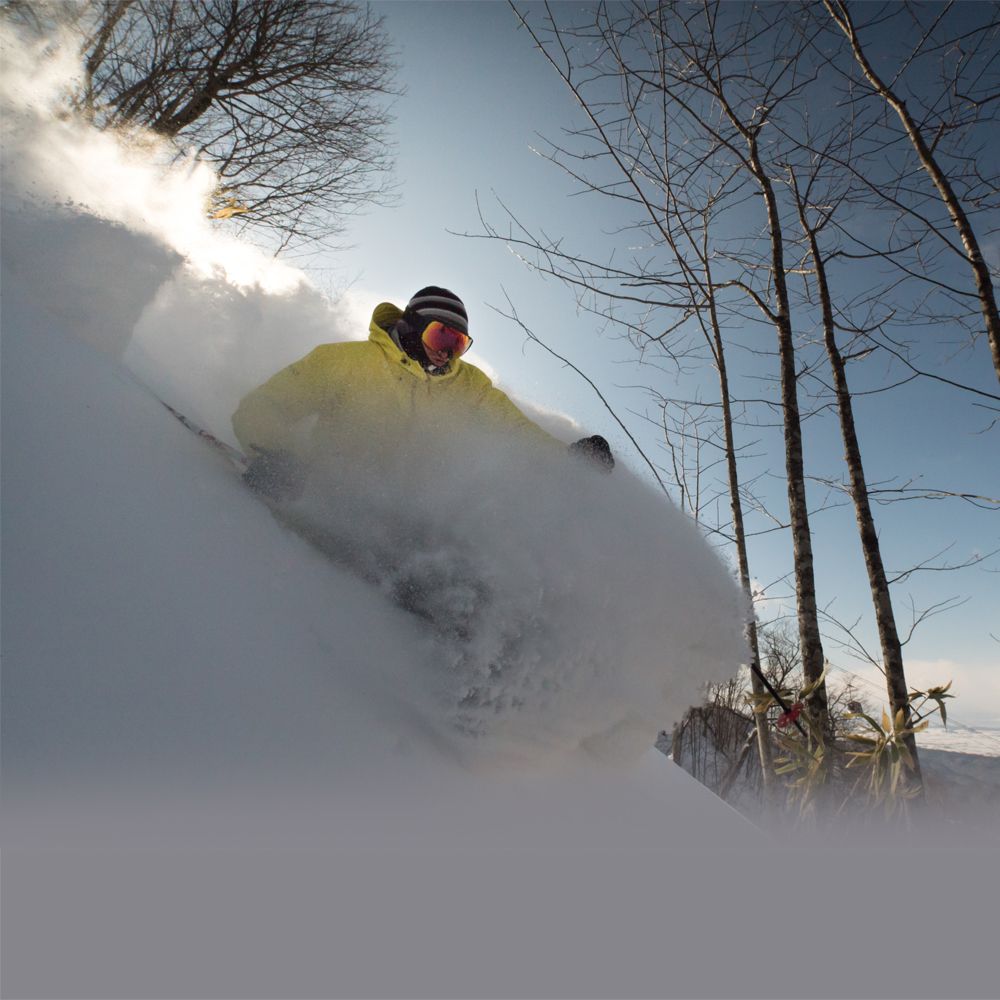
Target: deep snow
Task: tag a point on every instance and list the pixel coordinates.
(165, 636)
(231, 768)
(597, 612)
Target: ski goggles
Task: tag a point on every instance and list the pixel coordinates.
(438, 337)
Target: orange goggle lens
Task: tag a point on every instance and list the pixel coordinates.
(438, 337)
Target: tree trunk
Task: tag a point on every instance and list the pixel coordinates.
(805, 582)
(892, 651)
(739, 533)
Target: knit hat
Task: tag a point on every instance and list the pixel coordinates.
(440, 304)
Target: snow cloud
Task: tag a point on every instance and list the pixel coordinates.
(133, 180)
(583, 611)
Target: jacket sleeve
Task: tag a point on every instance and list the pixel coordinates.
(500, 412)
(266, 416)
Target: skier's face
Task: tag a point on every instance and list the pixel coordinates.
(437, 358)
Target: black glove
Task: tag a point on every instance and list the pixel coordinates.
(595, 449)
(276, 475)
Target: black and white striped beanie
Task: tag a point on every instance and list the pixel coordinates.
(440, 304)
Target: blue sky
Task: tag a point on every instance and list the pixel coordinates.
(477, 98)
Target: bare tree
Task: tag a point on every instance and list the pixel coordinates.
(681, 150)
(697, 121)
(286, 98)
(972, 94)
(695, 44)
(892, 650)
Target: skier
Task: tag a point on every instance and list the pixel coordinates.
(406, 385)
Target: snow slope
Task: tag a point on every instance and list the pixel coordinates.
(231, 768)
(221, 778)
(183, 675)
(620, 613)
(597, 614)
(163, 633)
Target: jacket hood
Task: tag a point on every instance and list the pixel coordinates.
(383, 319)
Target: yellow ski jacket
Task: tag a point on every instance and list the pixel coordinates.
(370, 397)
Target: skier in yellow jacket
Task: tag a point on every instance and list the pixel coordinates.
(405, 386)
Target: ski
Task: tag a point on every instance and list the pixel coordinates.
(238, 459)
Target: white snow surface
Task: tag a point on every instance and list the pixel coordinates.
(183, 591)
(233, 768)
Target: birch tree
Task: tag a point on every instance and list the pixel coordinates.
(704, 124)
(813, 222)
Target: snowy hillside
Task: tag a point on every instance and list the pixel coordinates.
(596, 612)
(223, 775)
(232, 768)
(163, 629)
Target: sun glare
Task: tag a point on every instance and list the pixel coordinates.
(132, 179)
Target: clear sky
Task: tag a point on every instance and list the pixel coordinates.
(477, 98)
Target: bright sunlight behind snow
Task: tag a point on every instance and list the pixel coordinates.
(606, 614)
